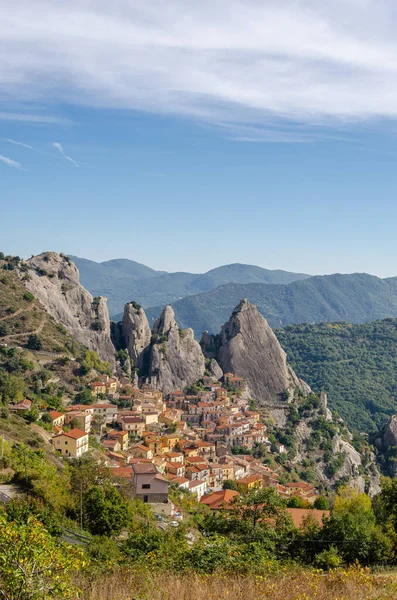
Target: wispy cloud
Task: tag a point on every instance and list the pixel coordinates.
(234, 61)
(62, 152)
(21, 144)
(31, 118)
(10, 163)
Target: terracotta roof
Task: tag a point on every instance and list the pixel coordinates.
(141, 447)
(54, 414)
(144, 468)
(193, 484)
(179, 480)
(123, 472)
(250, 479)
(300, 514)
(115, 433)
(131, 420)
(76, 434)
(216, 499)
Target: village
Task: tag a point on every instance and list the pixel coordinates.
(185, 439)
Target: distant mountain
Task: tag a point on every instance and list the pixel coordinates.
(355, 364)
(355, 298)
(132, 268)
(123, 280)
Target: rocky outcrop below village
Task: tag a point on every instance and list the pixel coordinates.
(247, 346)
(55, 282)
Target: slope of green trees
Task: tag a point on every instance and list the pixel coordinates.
(355, 364)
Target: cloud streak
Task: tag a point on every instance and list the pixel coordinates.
(21, 144)
(60, 149)
(10, 163)
(240, 62)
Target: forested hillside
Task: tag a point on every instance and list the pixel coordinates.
(354, 298)
(355, 364)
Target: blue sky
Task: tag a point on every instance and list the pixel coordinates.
(187, 137)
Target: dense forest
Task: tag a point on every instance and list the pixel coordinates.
(355, 364)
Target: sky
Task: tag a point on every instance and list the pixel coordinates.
(186, 135)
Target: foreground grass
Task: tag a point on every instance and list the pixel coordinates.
(353, 583)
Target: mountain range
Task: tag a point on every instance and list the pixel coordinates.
(123, 280)
(204, 301)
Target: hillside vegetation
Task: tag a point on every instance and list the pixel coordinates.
(355, 364)
(356, 298)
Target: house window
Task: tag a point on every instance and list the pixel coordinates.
(146, 498)
(146, 486)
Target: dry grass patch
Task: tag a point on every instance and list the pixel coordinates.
(354, 583)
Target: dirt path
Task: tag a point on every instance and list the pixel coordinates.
(36, 331)
(17, 312)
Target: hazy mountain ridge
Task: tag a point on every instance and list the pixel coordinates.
(355, 298)
(123, 280)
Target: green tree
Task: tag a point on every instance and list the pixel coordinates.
(84, 397)
(34, 342)
(351, 527)
(105, 511)
(229, 484)
(321, 503)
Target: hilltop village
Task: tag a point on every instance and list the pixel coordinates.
(196, 439)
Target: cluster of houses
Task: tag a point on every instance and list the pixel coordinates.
(184, 440)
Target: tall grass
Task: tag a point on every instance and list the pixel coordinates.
(354, 583)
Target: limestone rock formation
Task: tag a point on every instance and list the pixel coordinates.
(136, 332)
(175, 357)
(214, 368)
(54, 280)
(390, 433)
(249, 348)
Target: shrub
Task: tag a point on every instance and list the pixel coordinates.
(34, 342)
(28, 296)
(328, 559)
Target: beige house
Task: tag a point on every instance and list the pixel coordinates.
(140, 451)
(57, 418)
(148, 484)
(107, 411)
(151, 418)
(82, 419)
(121, 436)
(98, 387)
(134, 425)
(72, 444)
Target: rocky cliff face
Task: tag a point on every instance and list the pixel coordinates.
(249, 348)
(175, 358)
(136, 332)
(54, 280)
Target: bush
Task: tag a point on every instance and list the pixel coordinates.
(28, 296)
(34, 342)
(3, 329)
(328, 559)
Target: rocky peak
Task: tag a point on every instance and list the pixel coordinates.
(166, 322)
(54, 280)
(175, 357)
(249, 348)
(136, 331)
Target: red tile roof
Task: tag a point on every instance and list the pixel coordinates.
(76, 434)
